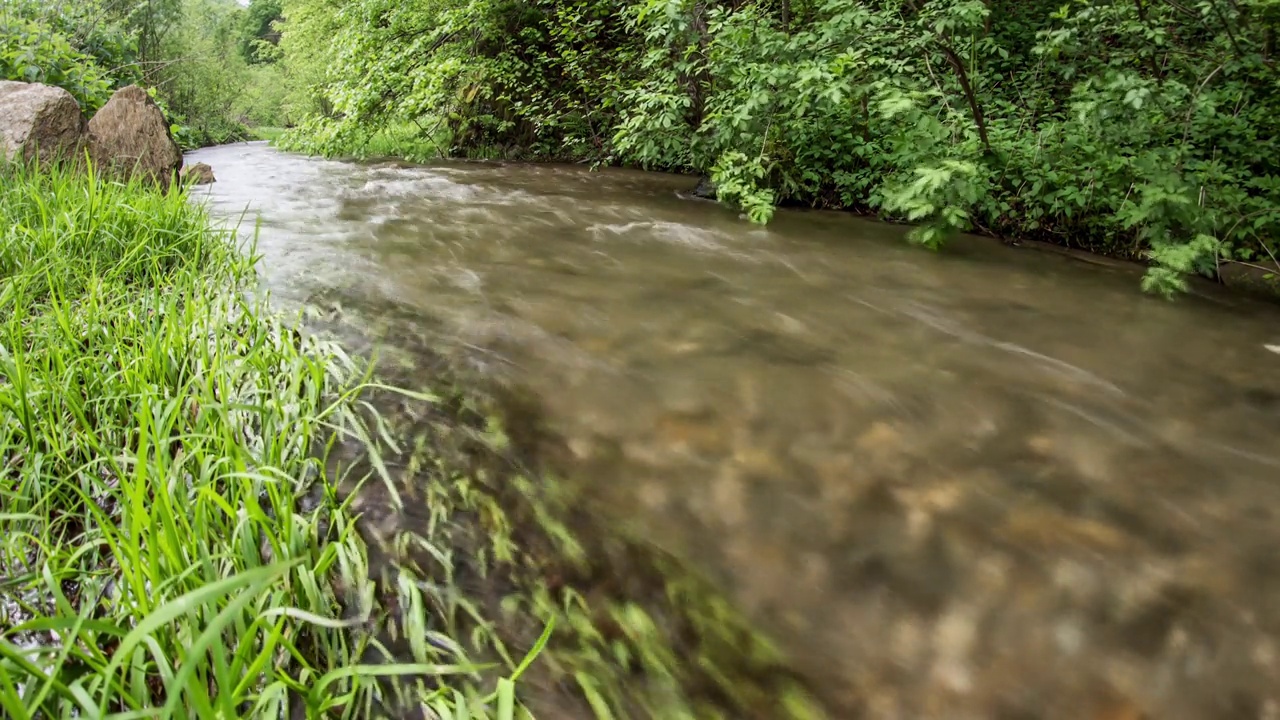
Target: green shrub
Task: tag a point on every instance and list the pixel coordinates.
(33, 52)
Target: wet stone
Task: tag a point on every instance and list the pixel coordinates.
(696, 433)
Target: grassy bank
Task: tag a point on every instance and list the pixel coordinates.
(167, 549)
(208, 514)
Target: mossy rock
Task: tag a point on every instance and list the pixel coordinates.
(1253, 279)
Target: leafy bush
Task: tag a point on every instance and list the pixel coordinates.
(533, 80)
(33, 52)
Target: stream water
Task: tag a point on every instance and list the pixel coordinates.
(980, 483)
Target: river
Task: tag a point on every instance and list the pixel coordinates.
(980, 483)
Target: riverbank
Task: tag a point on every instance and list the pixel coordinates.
(1259, 278)
(172, 538)
(209, 511)
(1021, 120)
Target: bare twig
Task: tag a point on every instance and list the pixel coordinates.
(1186, 126)
(1248, 216)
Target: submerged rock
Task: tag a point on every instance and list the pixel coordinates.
(129, 136)
(1252, 279)
(705, 189)
(198, 174)
(38, 122)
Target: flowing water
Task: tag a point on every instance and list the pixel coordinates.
(981, 483)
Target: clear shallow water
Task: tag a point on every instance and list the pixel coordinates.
(982, 483)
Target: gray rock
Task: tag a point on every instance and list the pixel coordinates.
(705, 189)
(129, 136)
(198, 174)
(1253, 279)
(39, 122)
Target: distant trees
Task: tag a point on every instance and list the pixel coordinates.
(260, 35)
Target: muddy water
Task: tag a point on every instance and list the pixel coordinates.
(983, 483)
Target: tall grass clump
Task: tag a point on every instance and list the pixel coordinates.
(165, 551)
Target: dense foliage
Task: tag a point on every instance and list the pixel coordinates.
(259, 37)
(1143, 128)
(32, 52)
(210, 63)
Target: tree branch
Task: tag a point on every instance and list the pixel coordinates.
(963, 76)
(975, 108)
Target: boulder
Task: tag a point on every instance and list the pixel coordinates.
(39, 122)
(129, 136)
(198, 174)
(705, 189)
(1252, 279)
